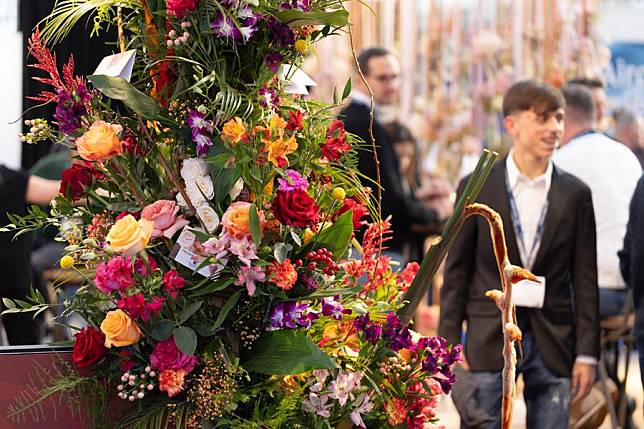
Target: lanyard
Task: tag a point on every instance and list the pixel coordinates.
(528, 259)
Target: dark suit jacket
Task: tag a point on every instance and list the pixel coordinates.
(568, 323)
(632, 256)
(404, 208)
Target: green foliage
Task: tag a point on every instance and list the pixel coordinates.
(118, 88)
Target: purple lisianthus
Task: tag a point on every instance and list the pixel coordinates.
(273, 61)
(398, 336)
(294, 181)
(372, 331)
(268, 97)
(282, 33)
(70, 108)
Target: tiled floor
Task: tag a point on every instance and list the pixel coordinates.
(449, 416)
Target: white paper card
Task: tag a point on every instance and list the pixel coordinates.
(531, 294)
(297, 80)
(186, 254)
(118, 65)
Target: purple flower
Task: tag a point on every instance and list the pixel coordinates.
(281, 33)
(373, 333)
(304, 5)
(224, 26)
(268, 97)
(70, 108)
(333, 309)
(203, 143)
(398, 336)
(273, 61)
(197, 122)
(290, 315)
(294, 181)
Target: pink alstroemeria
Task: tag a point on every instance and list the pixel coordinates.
(343, 385)
(317, 405)
(243, 248)
(248, 276)
(363, 405)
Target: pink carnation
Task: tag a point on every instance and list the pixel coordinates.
(115, 274)
(164, 215)
(180, 8)
(166, 355)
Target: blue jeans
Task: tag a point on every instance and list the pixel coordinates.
(611, 302)
(546, 395)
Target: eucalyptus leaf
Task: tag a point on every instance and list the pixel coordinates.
(281, 251)
(186, 339)
(163, 330)
(187, 312)
(286, 353)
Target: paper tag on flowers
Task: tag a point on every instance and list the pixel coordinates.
(187, 253)
(296, 80)
(118, 65)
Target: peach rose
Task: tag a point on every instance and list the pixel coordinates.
(236, 219)
(100, 142)
(119, 329)
(164, 215)
(128, 236)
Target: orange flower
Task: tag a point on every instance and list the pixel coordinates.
(279, 148)
(275, 123)
(282, 275)
(100, 142)
(396, 411)
(234, 131)
(119, 329)
(171, 381)
(236, 219)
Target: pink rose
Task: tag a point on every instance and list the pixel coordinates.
(166, 355)
(115, 274)
(180, 8)
(164, 215)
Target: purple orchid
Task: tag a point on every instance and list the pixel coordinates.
(224, 26)
(293, 182)
(273, 60)
(268, 97)
(332, 308)
(203, 143)
(282, 33)
(197, 122)
(291, 315)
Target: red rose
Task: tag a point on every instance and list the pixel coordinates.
(126, 361)
(295, 208)
(180, 8)
(76, 178)
(359, 211)
(336, 142)
(89, 347)
(131, 144)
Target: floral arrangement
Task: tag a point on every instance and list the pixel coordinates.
(213, 216)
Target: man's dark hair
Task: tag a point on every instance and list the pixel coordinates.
(588, 82)
(580, 106)
(398, 133)
(624, 117)
(368, 54)
(532, 95)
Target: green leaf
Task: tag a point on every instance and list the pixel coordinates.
(118, 88)
(224, 179)
(336, 238)
(213, 287)
(187, 312)
(281, 251)
(296, 238)
(185, 339)
(223, 313)
(286, 353)
(254, 224)
(163, 330)
(8, 303)
(295, 17)
(347, 89)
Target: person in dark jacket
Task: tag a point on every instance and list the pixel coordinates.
(632, 264)
(382, 72)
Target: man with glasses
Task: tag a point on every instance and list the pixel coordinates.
(381, 70)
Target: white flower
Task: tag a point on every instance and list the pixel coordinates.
(363, 406)
(204, 184)
(209, 217)
(193, 168)
(181, 201)
(236, 189)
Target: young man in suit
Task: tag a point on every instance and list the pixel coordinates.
(550, 230)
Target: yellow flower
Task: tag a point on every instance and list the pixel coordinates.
(234, 131)
(100, 142)
(275, 123)
(268, 189)
(119, 329)
(66, 262)
(338, 193)
(307, 236)
(302, 46)
(128, 236)
(278, 149)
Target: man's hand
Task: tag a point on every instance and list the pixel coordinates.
(583, 376)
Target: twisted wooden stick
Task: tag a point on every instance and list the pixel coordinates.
(509, 274)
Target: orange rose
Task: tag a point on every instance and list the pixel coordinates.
(100, 142)
(236, 219)
(128, 236)
(234, 131)
(119, 329)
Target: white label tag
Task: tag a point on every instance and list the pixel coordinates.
(186, 254)
(531, 294)
(118, 65)
(296, 79)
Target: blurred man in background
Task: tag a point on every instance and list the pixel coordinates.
(596, 87)
(627, 129)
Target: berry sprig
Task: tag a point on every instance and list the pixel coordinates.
(133, 386)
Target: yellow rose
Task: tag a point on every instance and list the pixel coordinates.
(234, 131)
(119, 329)
(100, 142)
(128, 236)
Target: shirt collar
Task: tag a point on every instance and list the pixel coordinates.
(360, 98)
(514, 175)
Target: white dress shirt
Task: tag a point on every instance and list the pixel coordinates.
(530, 196)
(611, 171)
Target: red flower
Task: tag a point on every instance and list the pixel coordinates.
(76, 178)
(180, 8)
(89, 347)
(131, 144)
(359, 211)
(295, 208)
(295, 119)
(126, 362)
(142, 269)
(172, 282)
(336, 142)
(136, 307)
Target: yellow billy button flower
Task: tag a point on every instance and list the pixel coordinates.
(338, 194)
(128, 236)
(66, 262)
(302, 46)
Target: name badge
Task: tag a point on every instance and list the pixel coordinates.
(530, 294)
